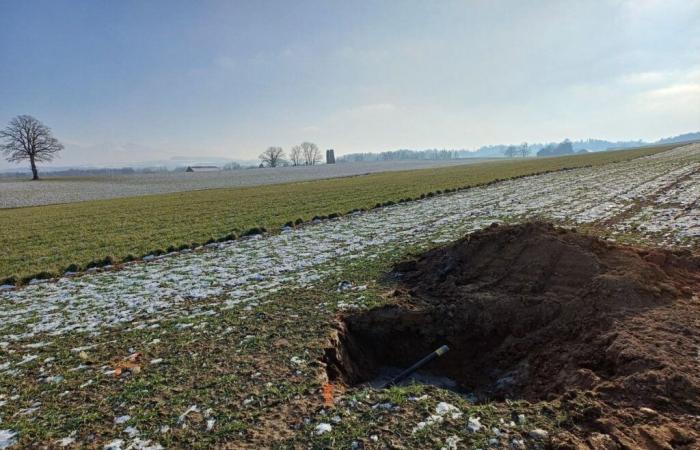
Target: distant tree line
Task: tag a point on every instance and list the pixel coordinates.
(522, 150)
(403, 154)
(563, 148)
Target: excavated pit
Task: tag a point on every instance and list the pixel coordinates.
(532, 311)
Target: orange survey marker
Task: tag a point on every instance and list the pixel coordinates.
(327, 394)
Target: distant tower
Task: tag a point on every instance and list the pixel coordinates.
(330, 156)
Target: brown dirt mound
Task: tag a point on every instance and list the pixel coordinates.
(536, 312)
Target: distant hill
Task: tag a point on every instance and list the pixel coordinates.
(680, 138)
(566, 147)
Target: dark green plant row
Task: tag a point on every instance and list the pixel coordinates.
(110, 262)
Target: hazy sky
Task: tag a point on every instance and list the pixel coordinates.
(121, 81)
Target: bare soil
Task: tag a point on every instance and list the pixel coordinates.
(536, 312)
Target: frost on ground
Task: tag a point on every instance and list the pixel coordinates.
(654, 197)
(240, 272)
(7, 438)
(671, 214)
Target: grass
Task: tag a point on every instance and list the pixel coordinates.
(236, 367)
(45, 241)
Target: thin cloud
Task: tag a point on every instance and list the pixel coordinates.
(675, 91)
(644, 78)
(226, 62)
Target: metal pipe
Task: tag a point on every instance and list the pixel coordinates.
(403, 375)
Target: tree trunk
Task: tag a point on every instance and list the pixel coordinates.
(35, 173)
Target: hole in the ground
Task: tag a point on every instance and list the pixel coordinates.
(528, 311)
(373, 347)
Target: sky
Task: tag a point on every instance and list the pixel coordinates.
(126, 81)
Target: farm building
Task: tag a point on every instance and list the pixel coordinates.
(202, 169)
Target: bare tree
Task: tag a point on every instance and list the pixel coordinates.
(524, 150)
(25, 138)
(312, 154)
(511, 151)
(296, 155)
(272, 157)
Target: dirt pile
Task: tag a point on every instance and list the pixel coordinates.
(537, 312)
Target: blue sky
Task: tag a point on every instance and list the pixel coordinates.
(125, 81)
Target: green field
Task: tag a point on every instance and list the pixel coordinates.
(46, 240)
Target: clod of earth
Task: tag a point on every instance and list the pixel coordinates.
(542, 313)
